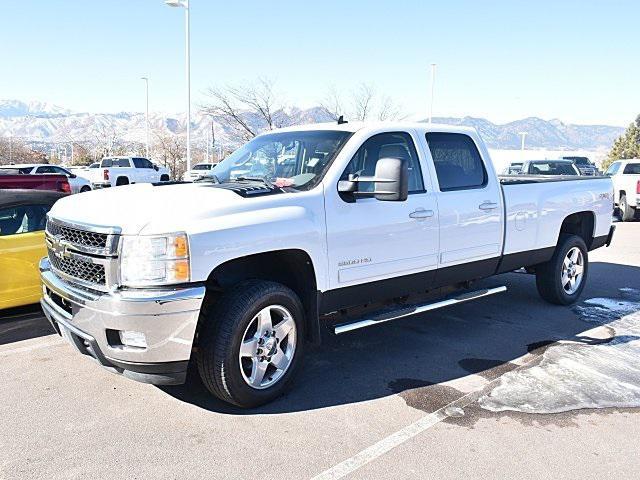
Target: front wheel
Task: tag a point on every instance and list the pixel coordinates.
(562, 279)
(252, 343)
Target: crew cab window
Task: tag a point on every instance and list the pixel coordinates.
(632, 169)
(385, 145)
(613, 169)
(457, 161)
(23, 219)
(142, 163)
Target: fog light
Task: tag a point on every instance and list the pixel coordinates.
(130, 338)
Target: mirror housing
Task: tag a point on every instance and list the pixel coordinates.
(391, 181)
(156, 167)
(73, 175)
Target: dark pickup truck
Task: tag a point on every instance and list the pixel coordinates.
(56, 183)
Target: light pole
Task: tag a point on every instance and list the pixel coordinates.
(146, 117)
(522, 134)
(433, 81)
(185, 4)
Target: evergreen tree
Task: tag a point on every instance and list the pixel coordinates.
(627, 145)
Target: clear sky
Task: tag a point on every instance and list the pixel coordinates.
(503, 60)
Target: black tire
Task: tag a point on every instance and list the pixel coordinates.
(122, 181)
(627, 213)
(86, 188)
(164, 178)
(549, 274)
(223, 329)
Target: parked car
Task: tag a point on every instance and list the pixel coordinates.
(549, 167)
(12, 179)
(370, 226)
(514, 168)
(78, 183)
(116, 171)
(198, 171)
(22, 223)
(625, 175)
(584, 165)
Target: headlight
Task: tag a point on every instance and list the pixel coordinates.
(154, 260)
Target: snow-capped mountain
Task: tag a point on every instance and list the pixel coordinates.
(45, 123)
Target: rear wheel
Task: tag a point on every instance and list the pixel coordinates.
(86, 188)
(252, 343)
(562, 279)
(627, 213)
(122, 181)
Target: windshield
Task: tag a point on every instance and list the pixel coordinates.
(288, 159)
(202, 167)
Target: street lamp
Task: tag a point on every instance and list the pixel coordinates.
(522, 134)
(433, 81)
(146, 118)
(185, 4)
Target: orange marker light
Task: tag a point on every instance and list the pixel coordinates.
(181, 270)
(180, 246)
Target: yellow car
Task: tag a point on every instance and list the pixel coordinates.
(23, 216)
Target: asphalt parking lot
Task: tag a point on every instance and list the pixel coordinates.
(504, 387)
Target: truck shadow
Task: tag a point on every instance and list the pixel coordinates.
(478, 338)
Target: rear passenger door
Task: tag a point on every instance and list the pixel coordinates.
(470, 208)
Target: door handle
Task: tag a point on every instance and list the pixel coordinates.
(488, 206)
(421, 213)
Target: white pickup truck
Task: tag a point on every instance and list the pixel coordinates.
(625, 175)
(330, 228)
(116, 171)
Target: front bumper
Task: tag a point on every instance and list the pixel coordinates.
(90, 321)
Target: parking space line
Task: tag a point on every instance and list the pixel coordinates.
(396, 439)
(28, 348)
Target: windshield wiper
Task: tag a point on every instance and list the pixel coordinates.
(208, 179)
(255, 179)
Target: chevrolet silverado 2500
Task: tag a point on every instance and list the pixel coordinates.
(326, 228)
(116, 171)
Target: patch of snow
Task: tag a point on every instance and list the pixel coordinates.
(581, 373)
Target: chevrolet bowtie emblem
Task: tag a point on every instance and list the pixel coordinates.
(59, 249)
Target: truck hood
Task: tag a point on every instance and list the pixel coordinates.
(148, 209)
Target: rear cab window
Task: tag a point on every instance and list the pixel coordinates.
(457, 161)
(631, 169)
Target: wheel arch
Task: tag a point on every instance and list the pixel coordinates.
(291, 267)
(582, 224)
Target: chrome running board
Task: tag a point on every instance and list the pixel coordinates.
(395, 314)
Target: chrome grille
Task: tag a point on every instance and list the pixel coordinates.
(85, 271)
(77, 237)
(86, 255)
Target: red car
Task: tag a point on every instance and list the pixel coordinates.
(56, 183)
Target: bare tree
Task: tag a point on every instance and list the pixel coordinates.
(246, 110)
(364, 102)
(169, 148)
(16, 150)
(332, 104)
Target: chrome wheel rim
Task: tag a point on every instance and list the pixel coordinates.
(572, 270)
(268, 346)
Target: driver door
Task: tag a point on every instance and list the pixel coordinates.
(381, 249)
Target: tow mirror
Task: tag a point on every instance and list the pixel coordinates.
(391, 181)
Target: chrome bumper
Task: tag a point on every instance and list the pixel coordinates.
(90, 322)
